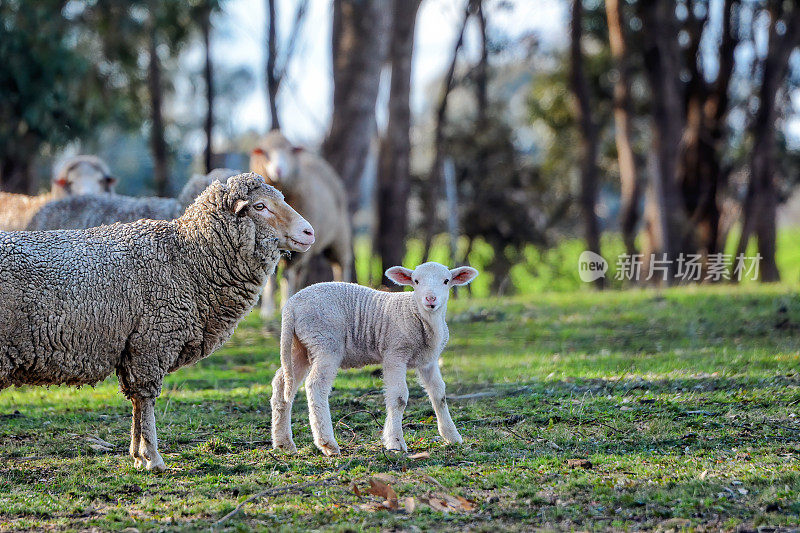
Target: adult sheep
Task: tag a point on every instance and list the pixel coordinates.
(313, 188)
(142, 299)
(84, 174)
(92, 210)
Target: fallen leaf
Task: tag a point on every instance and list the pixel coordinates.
(446, 503)
(743, 491)
(432, 481)
(99, 448)
(703, 475)
(409, 504)
(383, 490)
(420, 455)
(94, 439)
(386, 478)
(355, 490)
(579, 463)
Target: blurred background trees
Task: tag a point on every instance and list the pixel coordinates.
(644, 127)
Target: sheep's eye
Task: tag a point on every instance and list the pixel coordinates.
(445, 281)
(416, 281)
(259, 207)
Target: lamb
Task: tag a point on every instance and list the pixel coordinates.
(89, 211)
(142, 299)
(333, 325)
(85, 174)
(313, 188)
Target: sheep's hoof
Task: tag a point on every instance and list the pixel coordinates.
(285, 446)
(329, 448)
(137, 463)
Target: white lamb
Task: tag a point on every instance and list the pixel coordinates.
(335, 325)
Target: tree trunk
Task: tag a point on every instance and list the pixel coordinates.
(666, 219)
(157, 143)
(629, 181)
(589, 135)
(394, 173)
(209, 77)
(762, 199)
(271, 75)
(433, 182)
(15, 176)
(360, 38)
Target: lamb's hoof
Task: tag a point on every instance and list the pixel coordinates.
(395, 443)
(285, 446)
(454, 439)
(329, 448)
(137, 463)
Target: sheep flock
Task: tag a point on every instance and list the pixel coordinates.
(94, 283)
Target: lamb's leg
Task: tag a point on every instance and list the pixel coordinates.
(136, 432)
(318, 390)
(268, 297)
(431, 378)
(289, 283)
(281, 409)
(148, 444)
(396, 394)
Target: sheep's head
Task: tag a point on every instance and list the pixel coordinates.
(431, 282)
(83, 174)
(250, 196)
(276, 159)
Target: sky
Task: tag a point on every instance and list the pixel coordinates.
(305, 99)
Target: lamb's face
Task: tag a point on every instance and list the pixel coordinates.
(83, 177)
(431, 282)
(276, 160)
(270, 213)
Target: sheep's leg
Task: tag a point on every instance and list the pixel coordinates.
(148, 443)
(281, 409)
(136, 432)
(396, 396)
(268, 297)
(318, 390)
(431, 378)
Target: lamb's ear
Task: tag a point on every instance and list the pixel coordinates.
(61, 181)
(463, 275)
(400, 275)
(240, 206)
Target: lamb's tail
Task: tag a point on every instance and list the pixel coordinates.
(287, 339)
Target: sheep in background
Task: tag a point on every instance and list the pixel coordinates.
(313, 188)
(89, 211)
(328, 326)
(83, 174)
(142, 299)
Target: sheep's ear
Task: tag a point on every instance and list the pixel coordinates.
(463, 275)
(400, 275)
(239, 207)
(61, 182)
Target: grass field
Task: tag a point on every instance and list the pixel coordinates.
(589, 411)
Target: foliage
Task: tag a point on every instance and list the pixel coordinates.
(683, 401)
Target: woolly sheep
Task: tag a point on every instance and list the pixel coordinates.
(313, 188)
(142, 299)
(84, 174)
(89, 211)
(328, 326)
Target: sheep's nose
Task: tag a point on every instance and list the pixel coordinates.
(309, 231)
(430, 299)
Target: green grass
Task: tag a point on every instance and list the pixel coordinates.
(685, 401)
